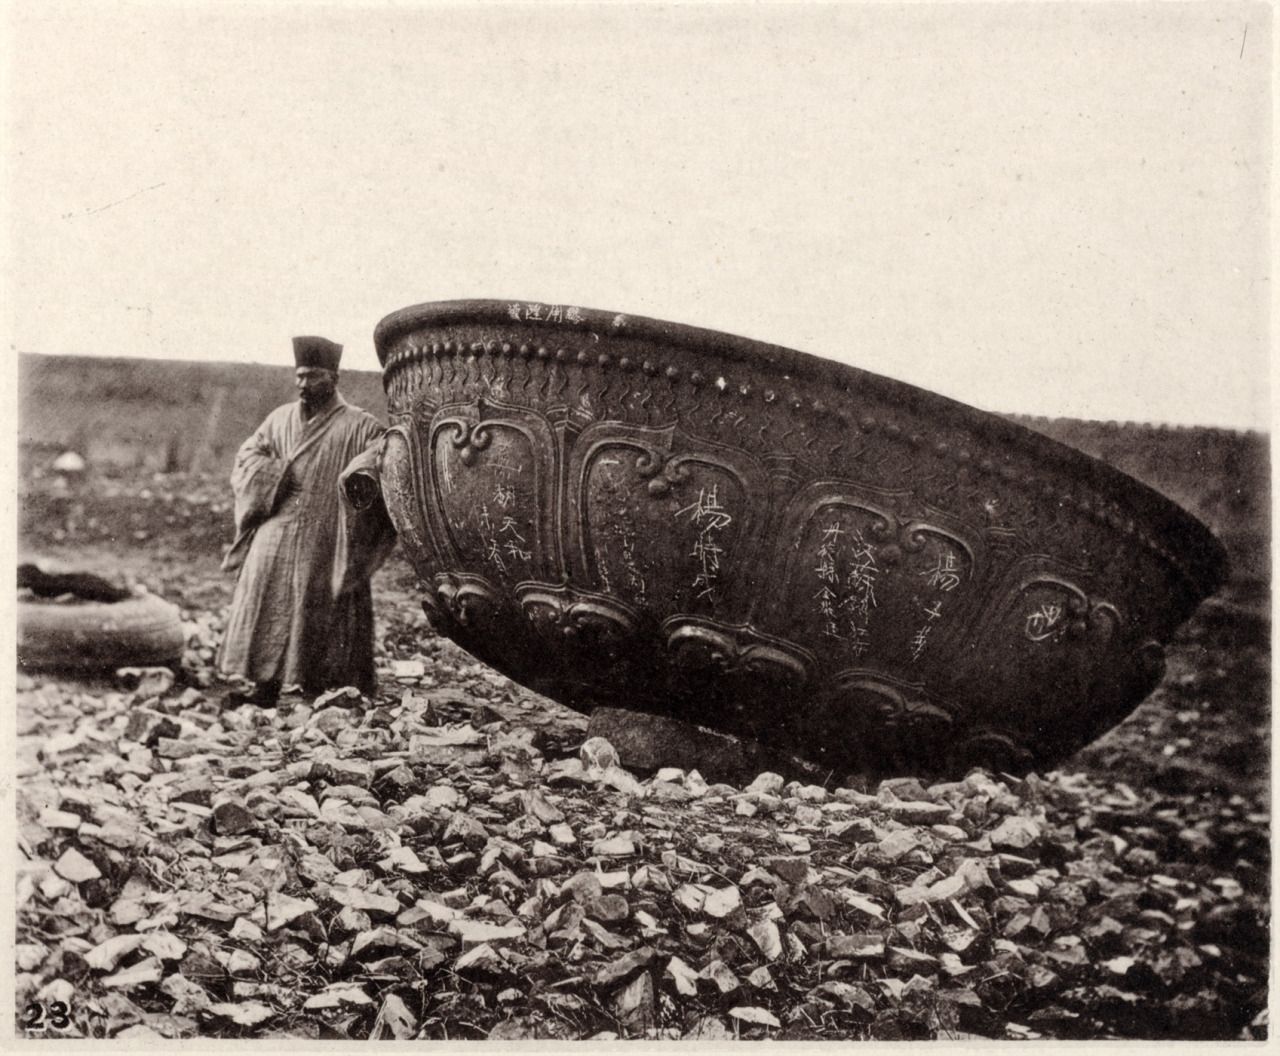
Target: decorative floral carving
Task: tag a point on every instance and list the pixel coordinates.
(702, 650)
(593, 622)
(466, 601)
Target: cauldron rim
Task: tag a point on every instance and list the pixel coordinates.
(1200, 555)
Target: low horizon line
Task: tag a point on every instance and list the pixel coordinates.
(1117, 423)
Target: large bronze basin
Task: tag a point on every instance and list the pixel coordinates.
(616, 510)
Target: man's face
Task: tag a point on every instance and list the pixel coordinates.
(315, 385)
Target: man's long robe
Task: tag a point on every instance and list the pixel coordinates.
(288, 624)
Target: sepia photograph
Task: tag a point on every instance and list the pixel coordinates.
(639, 522)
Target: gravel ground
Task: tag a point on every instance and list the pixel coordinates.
(451, 860)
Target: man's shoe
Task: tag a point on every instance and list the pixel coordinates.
(263, 695)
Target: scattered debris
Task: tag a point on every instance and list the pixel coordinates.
(452, 861)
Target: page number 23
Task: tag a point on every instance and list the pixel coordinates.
(38, 1016)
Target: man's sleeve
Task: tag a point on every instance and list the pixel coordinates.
(255, 477)
(255, 480)
(366, 535)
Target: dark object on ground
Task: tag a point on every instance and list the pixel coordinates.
(83, 585)
(106, 630)
(263, 695)
(843, 566)
(647, 743)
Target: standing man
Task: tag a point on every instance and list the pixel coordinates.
(288, 624)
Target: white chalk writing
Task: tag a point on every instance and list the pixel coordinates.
(845, 600)
(1043, 623)
(492, 549)
(710, 518)
(545, 313)
(944, 575)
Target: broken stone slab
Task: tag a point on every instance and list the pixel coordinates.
(648, 743)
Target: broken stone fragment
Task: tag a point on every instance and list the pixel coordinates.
(766, 936)
(853, 831)
(898, 844)
(336, 996)
(378, 942)
(477, 932)
(397, 1020)
(404, 860)
(231, 818)
(794, 842)
(597, 753)
(356, 772)
(608, 909)
(1015, 833)
(709, 1028)
(684, 977)
(905, 959)
(467, 829)
(617, 778)
(815, 903)
(669, 792)
(107, 955)
(378, 906)
(918, 812)
(165, 945)
(75, 867)
(754, 1016)
(624, 967)
(534, 803)
(794, 871)
(141, 974)
(721, 976)
(346, 697)
(147, 727)
(856, 946)
(633, 1003)
(241, 962)
(284, 909)
(59, 819)
(562, 835)
(614, 847)
(808, 816)
(768, 783)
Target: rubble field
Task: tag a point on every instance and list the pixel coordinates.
(454, 859)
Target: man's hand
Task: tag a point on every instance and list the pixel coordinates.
(362, 491)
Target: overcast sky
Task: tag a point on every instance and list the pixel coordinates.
(1043, 209)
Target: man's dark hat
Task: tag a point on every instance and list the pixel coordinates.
(316, 352)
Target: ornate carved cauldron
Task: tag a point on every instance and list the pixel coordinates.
(617, 510)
